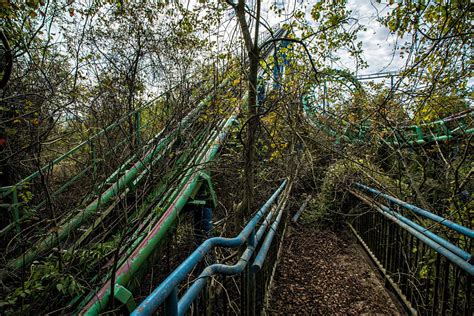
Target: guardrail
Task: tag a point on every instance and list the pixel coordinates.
(167, 292)
(430, 273)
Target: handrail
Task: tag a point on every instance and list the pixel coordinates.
(436, 218)
(262, 253)
(167, 287)
(458, 261)
(195, 289)
(440, 240)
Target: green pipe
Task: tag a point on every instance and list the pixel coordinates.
(165, 197)
(8, 189)
(171, 193)
(142, 255)
(138, 240)
(161, 188)
(83, 215)
(102, 216)
(135, 243)
(55, 193)
(98, 134)
(199, 140)
(113, 191)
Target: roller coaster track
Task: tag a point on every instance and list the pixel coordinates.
(458, 125)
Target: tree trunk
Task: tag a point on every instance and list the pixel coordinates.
(252, 118)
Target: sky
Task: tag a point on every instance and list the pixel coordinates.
(377, 41)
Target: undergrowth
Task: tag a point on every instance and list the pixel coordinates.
(334, 203)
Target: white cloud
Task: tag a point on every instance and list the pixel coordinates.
(378, 43)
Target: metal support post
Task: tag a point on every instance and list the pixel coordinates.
(138, 135)
(171, 303)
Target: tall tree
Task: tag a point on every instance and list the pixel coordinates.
(252, 118)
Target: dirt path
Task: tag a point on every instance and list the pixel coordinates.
(327, 273)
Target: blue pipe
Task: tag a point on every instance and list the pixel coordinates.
(263, 227)
(459, 228)
(262, 253)
(301, 209)
(158, 296)
(469, 268)
(207, 220)
(198, 285)
(202, 223)
(171, 303)
(453, 248)
(191, 294)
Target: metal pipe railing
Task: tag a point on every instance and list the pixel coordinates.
(192, 293)
(262, 253)
(440, 240)
(415, 209)
(454, 258)
(166, 288)
(424, 271)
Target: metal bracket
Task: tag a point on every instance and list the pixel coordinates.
(205, 176)
(123, 295)
(209, 195)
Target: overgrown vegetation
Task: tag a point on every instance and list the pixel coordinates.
(98, 82)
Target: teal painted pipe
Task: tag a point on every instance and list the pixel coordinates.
(262, 253)
(422, 212)
(458, 261)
